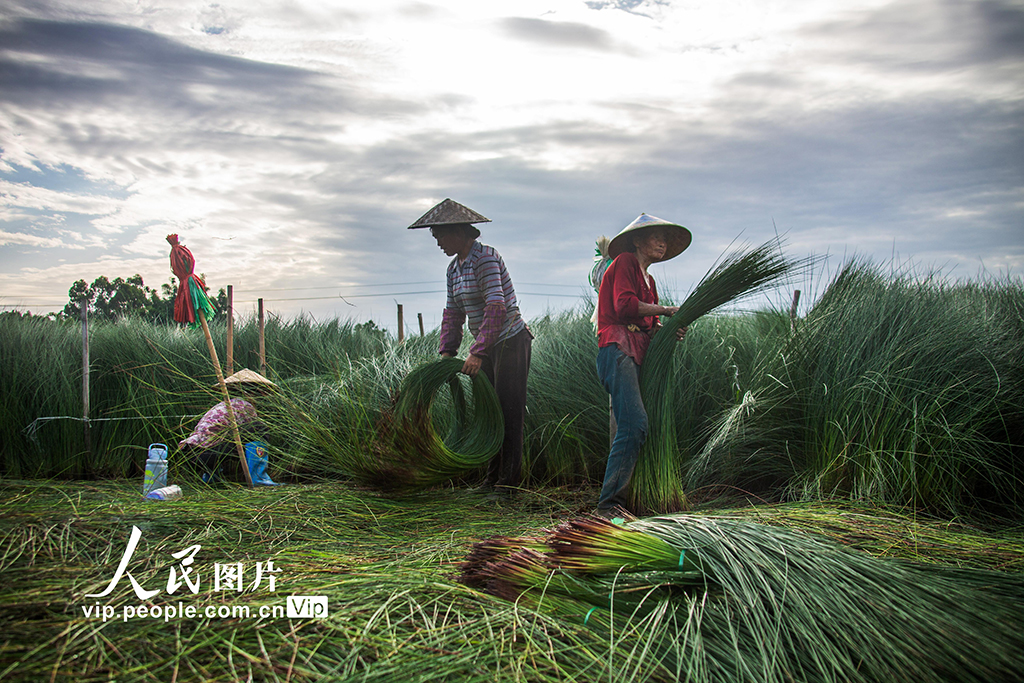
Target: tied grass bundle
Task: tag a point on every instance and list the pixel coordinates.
(822, 612)
(598, 546)
(589, 561)
(770, 604)
(657, 484)
(475, 569)
(413, 453)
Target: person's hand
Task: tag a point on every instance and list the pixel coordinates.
(446, 355)
(472, 365)
(670, 310)
(680, 333)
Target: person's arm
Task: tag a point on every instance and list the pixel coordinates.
(488, 277)
(656, 310)
(626, 294)
(452, 320)
(645, 309)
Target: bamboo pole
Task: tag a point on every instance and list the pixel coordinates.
(231, 331)
(263, 343)
(227, 397)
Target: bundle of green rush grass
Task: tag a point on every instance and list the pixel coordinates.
(719, 599)
(657, 481)
(411, 453)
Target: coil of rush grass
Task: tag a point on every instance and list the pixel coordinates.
(413, 453)
(657, 484)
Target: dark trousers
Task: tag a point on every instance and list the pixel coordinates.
(507, 365)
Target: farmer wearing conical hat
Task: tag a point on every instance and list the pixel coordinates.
(627, 316)
(480, 291)
(209, 444)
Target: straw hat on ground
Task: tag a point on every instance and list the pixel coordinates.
(247, 379)
(677, 236)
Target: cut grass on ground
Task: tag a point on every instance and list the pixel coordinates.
(385, 564)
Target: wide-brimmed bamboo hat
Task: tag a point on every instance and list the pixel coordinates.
(247, 378)
(449, 212)
(677, 236)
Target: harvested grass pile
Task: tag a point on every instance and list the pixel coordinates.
(384, 564)
(410, 450)
(726, 599)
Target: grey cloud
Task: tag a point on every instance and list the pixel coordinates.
(557, 33)
(1002, 29)
(126, 46)
(935, 178)
(912, 35)
(106, 64)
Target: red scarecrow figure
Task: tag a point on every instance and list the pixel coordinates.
(191, 296)
(191, 305)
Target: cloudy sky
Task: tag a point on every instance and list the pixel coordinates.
(290, 143)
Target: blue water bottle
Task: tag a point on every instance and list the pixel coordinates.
(156, 468)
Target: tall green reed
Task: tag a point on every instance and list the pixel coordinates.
(895, 388)
(148, 382)
(567, 415)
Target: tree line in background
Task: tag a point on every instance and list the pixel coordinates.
(117, 299)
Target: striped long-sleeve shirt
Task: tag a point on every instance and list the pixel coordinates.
(480, 290)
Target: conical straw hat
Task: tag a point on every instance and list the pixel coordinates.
(448, 212)
(677, 236)
(247, 376)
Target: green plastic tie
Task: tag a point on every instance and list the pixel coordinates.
(587, 618)
(681, 556)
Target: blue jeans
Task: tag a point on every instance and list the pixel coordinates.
(620, 376)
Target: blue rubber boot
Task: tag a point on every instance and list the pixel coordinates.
(256, 457)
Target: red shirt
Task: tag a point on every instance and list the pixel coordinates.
(623, 287)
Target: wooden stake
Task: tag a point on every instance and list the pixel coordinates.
(231, 331)
(227, 397)
(792, 310)
(263, 343)
(420, 316)
(87, 433)
(401, 325)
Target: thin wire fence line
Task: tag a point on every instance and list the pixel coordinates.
(341, 296)
(399, 284)
(31, 430)
(389, 294)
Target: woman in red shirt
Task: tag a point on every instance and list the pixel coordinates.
(627, 317)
